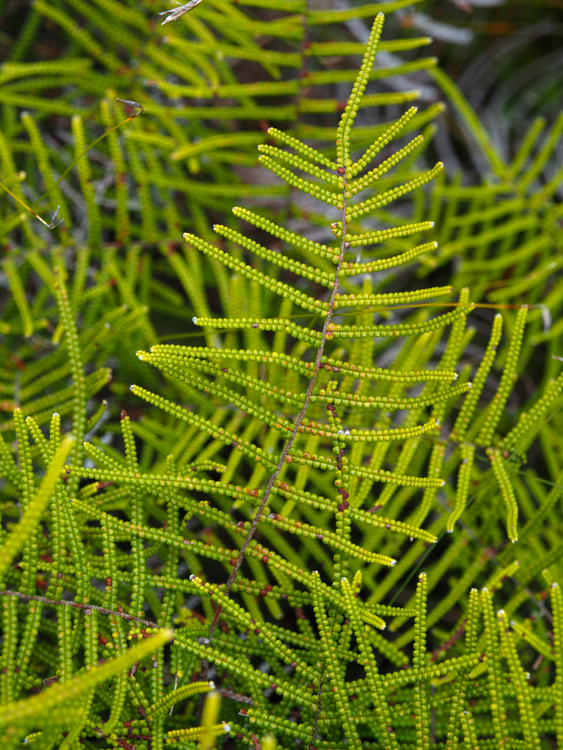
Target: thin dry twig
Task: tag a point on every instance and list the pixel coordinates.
(175, 13)
(317, 714)
(78, 605)
(230, 693)
(131, 103)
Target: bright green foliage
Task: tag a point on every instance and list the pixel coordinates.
(35, 508)
(506, 231)
(317, 393)
(199, 117)
(63, 704)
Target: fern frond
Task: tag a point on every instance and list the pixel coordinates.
(239, 499)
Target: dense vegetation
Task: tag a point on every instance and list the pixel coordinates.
(244, 454)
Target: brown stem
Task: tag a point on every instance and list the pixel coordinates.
(78, 605)
(291, 440)
(230, 693)
(317, 714)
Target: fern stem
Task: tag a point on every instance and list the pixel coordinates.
(80, 605)
(298, 422)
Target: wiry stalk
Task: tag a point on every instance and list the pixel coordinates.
(298, 422)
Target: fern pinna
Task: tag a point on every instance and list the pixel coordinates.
(310, 423)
